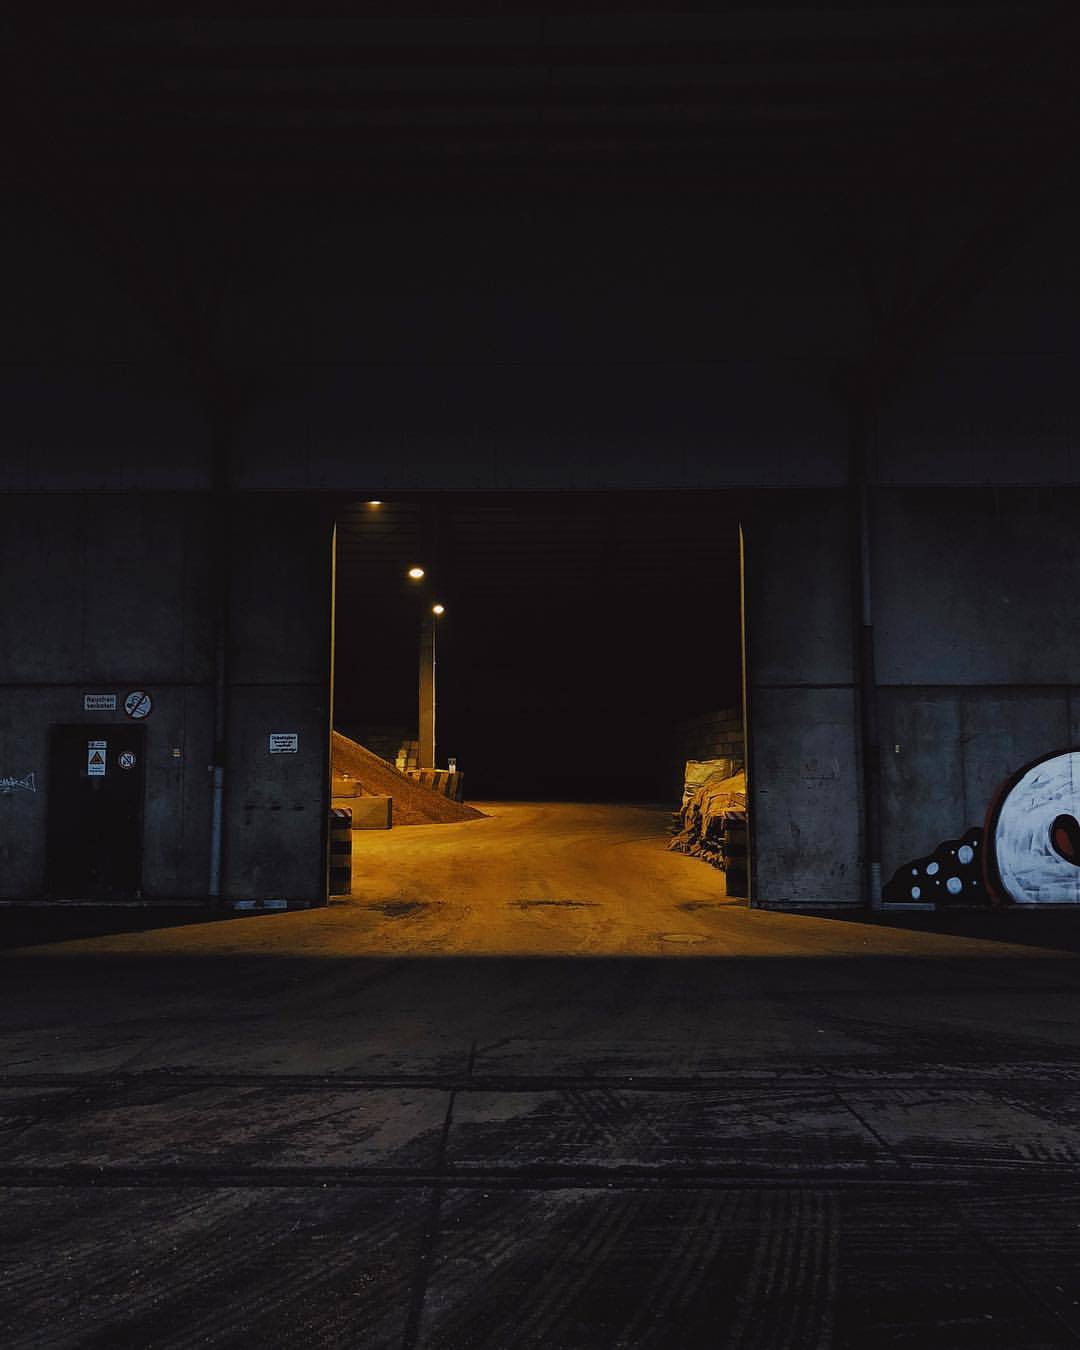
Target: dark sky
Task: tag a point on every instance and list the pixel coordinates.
(579, 630)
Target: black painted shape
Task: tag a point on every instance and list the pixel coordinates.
(1065, 839)
(951, 875)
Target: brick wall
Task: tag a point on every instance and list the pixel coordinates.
(713, 735)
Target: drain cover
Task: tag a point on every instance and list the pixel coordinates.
(687, 939)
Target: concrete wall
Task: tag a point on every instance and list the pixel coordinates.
(515, 348)
(804, 772)
(94, 395)
(993, 397)
(518, 347)
(109, 593)
(978, 605)
(280, 682)
(398, 348)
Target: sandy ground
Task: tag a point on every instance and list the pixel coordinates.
(541, 878)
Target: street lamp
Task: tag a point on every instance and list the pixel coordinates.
(426, 751)
(416, 573)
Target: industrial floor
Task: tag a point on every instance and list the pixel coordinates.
(320, 1130)
(536, 878)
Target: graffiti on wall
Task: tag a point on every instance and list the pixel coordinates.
(9, 783)
(1026, 853)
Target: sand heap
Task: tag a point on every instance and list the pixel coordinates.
(374, 777)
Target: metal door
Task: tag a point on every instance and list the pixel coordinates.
(95, 791)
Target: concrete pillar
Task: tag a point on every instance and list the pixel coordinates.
(802, 727)
(426, 758)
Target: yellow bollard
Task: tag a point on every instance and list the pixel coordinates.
(340, 851)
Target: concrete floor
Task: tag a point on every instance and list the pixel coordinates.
(314, 1129)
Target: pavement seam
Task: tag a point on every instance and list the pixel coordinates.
(885, 1081)
(909, 1178)
(1010, 1272)
(429, 1239)
(897, 1157)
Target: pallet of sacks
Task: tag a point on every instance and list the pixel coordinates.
(712, 821)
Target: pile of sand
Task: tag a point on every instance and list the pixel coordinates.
(374, 777)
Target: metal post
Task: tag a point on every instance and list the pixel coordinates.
(868, 697)
(221, 552)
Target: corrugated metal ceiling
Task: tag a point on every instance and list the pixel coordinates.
(490, 545)
(742, 94)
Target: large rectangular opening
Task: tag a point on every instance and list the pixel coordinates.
(530, 699)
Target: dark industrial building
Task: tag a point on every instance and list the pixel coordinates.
(810, 274)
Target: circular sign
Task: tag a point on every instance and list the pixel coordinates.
(126, 760)
(138, 704)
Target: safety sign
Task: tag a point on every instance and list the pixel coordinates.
(126, 760)
(138, 704)
(95, 758)
(284, 742)
(99, 702)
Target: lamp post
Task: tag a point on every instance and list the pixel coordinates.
(426, 728)
(426, 752)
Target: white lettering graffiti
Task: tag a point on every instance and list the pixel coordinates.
(27, 784)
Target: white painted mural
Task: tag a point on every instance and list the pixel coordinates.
(1035, 833)
(1028, 853)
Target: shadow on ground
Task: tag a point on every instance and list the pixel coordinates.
(1057, 929)
(209, 1145)
(31, 925)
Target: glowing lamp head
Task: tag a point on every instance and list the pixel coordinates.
(416, 573)
(374, 504)
(438, 609)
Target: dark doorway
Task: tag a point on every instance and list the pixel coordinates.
(95, 812)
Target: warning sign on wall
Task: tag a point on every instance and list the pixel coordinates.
(99, 702)
(284, 742)
(95, 758)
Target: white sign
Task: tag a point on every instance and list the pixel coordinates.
(95, 758)
(284, 742)
(99, 702)
(126, 760)
(138, 704)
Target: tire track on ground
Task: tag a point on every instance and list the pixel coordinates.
(783, 1307)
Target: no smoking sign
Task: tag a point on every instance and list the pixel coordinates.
(138, 704)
